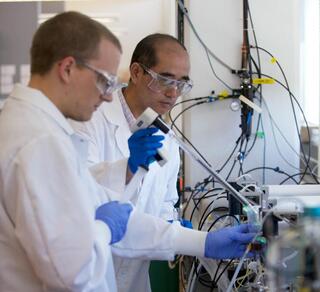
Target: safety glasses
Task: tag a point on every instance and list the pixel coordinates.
(162, 84)
(106, 82)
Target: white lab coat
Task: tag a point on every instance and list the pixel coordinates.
(108, 132)
(49, 240)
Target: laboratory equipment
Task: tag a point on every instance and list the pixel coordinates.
(150, 118)
(293, 259)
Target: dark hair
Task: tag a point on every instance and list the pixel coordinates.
(145, 51)
(67, 34)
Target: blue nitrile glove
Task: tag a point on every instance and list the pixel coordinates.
(229, 242)
(116, 216)
(143, 147)
(186, 223)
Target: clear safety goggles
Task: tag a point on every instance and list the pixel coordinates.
(160, 83)
(106, 82)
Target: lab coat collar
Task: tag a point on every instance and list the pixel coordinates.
(113, 111)
(39, 100)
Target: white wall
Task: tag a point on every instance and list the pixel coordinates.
(214, 127)
(137, 19)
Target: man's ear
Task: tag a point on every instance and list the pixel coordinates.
(135, 72)
(66, 67)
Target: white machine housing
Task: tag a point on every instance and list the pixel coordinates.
(290, 199)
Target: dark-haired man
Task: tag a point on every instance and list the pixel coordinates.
(57, 225)
(159, 74)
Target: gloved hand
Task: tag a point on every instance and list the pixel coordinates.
(143, 147)
(229, 242)
(184, 223)
(116, 216)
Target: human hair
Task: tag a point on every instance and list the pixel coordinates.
(67, 34)
(146, 50)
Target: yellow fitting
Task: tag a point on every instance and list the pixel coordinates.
(273, 60)
(263, 81)
(223, 94)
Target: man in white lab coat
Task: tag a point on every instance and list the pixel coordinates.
(159, 74)
(57, 225)
(109, 129)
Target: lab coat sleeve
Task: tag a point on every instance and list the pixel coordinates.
(54, 217)
(167, 211)
(149, 237)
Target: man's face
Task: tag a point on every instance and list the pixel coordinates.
(88, 84)
(173, 63)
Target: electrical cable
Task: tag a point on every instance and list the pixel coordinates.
(185, 13)
(206, 181)
(205, 216)
(241, 158)
(292, 177)
(215, 275)
(260, 121)
(261, 98)
(201, 198)
(182, 135)
(255, 136)
(295, 117)
(182, 279)
(186, 100)
(192, 275)
(291, 94)
(232, 167)
(218, 177)
(222, 272)
(198, 202)
(275, 169)
(170, 117)
(214, 72)
(274, 124)
(207, 197)
(294, 113)
(215, 281)
(255, 37)
(245, 253)
(264, 154)
(194, 195)
(246, 145)
(198, 275)
(222, 216)
(258, 89)
(229, 157)
(183, 111)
